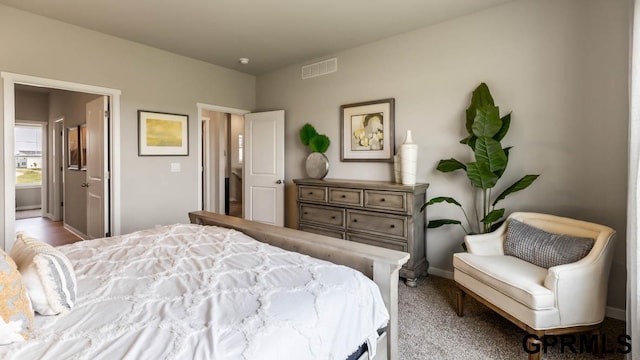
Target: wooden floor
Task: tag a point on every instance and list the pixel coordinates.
(51, 232)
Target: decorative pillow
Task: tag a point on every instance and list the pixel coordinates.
(16, 314)
(543, 248)
(48, 275)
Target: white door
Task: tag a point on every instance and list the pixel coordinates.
(95, 165)
(263, 197)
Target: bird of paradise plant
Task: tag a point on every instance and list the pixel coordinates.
(485, 130)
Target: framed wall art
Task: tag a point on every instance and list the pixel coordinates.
(367, 131)
(73, 148)
(162, 134)
(83, 147)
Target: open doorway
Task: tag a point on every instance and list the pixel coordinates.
(222, 139)
(56, 145)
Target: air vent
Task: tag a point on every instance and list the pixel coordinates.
(320, 68)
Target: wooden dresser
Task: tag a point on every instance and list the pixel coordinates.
(378, 213)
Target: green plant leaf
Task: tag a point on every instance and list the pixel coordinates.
(437, 223)
(440, 199)
(307, 133)
(506, 122)
(481, 97)
(489, 152)
(471, 141)
(506, 150)
(487, 121)
(481, 176)
(319, 143)
(493, 216)
(450, 165)
(521, 184)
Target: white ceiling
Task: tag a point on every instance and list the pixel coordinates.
(271, 33)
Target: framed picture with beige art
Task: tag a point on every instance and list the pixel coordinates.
(162, 134)
(367, 131)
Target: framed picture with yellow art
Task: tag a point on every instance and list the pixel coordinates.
(367, 131)
(162, 134)
(73, 148)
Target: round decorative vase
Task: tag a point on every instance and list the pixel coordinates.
(317, 165)
(408, 160)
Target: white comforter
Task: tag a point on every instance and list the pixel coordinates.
(194, 292)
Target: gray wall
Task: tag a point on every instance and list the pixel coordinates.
(561, 67)
(150, 79)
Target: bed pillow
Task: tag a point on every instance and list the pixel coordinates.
(543, 248)
(48, 275)
(16, 314)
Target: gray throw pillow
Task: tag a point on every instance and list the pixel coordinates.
(542, 248)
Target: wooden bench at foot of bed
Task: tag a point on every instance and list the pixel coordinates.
(381, 265)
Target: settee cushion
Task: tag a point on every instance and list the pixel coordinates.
(543, 248)
(517, 279)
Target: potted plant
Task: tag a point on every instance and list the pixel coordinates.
(317, 164)
(485, 130)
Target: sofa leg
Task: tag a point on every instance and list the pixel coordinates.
(460, 302)
(534, 343)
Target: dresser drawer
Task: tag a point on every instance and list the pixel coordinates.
(377, 223)
(376, 241)
(385, 200)
(322, 215)
(322, 231)
(345, 196)
(312, 193)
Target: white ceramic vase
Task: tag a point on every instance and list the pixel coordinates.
(408, 160)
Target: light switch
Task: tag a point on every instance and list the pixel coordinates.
(175, 167)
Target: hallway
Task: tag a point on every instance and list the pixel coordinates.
(45, 230)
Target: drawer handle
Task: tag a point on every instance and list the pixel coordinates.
(333, 218)
(393, 226)
(343, 196)
(306, 213)
(355, 220)
(310, 192)
(382, 200)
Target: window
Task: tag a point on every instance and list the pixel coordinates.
(28, 153)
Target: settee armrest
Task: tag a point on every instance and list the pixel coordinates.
(586, 279)
(487, 244)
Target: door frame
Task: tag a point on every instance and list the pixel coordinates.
(9, 81)
(208, 173)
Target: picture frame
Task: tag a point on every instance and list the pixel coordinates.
(162, 134)
(83, 147)
(368, 131)
(73, 148)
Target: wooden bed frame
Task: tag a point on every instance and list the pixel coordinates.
(381, 265)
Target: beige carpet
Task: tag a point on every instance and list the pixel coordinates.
(430, 329)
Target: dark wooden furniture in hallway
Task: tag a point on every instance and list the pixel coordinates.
(51, 232)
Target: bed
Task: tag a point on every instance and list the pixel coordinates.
(233, 290)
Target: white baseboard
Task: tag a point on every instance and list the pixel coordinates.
(51, 217)
(615, 313)
(76, 232)
(28, 207)
(441, 273)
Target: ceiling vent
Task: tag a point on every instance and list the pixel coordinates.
(320, 68)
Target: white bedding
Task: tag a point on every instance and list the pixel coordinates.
(194, 292)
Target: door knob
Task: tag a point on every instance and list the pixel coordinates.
(279, 182)
(85, 184)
